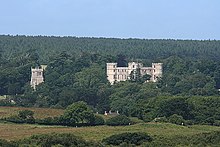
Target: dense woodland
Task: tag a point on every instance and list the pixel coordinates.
(76, 72)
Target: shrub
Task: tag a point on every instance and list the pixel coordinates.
(119, 120)
(128, 138)
(189, 122)
(206, 139)
(48, 140)
(15, 119)
(176, 119)
(98, 120)
(217, 123)
(24, 114)
(5, 103)
(4, 143)
(209, 121)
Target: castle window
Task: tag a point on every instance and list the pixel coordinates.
(114, 70)
(38, 73)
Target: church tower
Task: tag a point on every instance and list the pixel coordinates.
(36, 77)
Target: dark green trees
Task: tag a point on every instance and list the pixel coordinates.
(78, 112)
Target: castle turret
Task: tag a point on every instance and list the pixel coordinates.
(157, 71)
(111, 72)
(36, 77)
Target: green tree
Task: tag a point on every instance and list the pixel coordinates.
(78, 112)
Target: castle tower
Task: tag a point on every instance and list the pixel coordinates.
(157, 71)
(36, 77)
(111, 72)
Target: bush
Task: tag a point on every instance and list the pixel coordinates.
(98, 120)
(217, 123)
(127, 138)
(206, 139)
(189, 122)
(48, 140)
(15, 119)
(176, 119)
(24, 116)
(4, 143)
(209, 121)
(5, 103)
(119, 120)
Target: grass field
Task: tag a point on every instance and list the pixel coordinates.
(38, 112)
(11, 131)
(19, 131)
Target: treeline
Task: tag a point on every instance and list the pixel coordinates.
(152, 49)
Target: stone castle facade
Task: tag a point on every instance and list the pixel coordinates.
(117, 74)
(37, 76)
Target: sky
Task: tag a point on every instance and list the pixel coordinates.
(149, 19)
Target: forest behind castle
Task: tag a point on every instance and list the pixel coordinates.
(76, 71)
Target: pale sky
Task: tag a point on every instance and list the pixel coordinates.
(150, 19)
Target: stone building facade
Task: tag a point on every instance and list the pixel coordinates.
(37, 76)
(117, 74)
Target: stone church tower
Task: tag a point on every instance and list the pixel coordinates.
(36, 76)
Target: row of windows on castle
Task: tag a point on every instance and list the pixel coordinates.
(143, 71)
(125, 77)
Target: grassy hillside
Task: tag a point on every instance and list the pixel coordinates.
(19, 131)
(38, 112)
(164, 134)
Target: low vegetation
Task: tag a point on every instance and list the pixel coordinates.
(119, 120)
(128, 138)
(162, 134)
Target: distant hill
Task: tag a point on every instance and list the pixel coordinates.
(152, 49)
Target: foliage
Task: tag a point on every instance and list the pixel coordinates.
(48, 140)
(129, 138)
(176, 119)
(24, 116)
(99, 120)
(76, 71)
(78, 112)
(177, 105)
(119, 120)
(206, 139)
(4, 143)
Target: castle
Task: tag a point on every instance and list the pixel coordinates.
(37, 76)
(117, 74)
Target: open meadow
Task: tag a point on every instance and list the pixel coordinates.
(167, 131)
(38, 112)
(11, 131)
